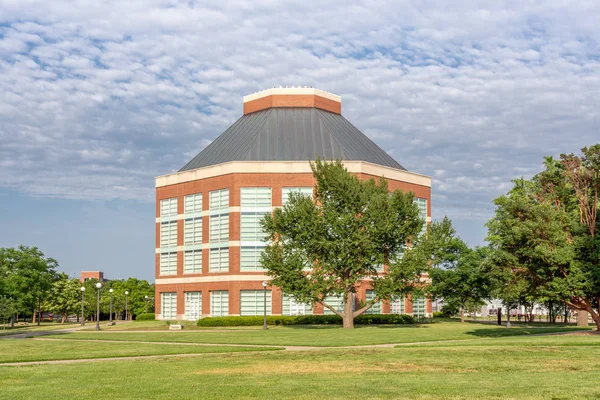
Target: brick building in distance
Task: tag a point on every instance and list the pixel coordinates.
(208, 237)
(99, 275)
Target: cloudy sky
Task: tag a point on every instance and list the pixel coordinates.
(99, 97)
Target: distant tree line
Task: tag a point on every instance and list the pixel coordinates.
(31, 285)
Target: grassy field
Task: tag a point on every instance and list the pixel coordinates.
(561, 367)
(19, 350)
(326, 335)
(44, 326)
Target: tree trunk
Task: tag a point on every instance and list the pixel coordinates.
(462, 314)
(508, 317)
(64, 318)
(33, 317)
(596, 318)
(348, 316)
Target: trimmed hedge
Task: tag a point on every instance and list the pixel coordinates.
(364, 319)
(145, 317)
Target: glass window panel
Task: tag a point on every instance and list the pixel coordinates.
(168, 207)
(192, 231)
(192, 262)
(168, 263)
(219, 260)
(376, 308)
(168, 234)
(219, 303)
(219, 199)
(252, 302)
(219, 228)
(193, 306)
(192, 203)
(397, 305)
(168, 304)
(255, 197)
(285, 193)
(289, 306)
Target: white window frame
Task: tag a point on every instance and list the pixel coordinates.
(285, 192)
(168, 263)
(219, 259)
(192, 203)
(168, 305)
(250, 258)
(376, 308)
(219, 200)
(289, 306)
(192, 261)
(219, 303)
(252, 302)
(192, 231)
(397, 306)
(193, 306)
(168, 207)
(168, 234)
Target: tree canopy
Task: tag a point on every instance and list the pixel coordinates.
(327, 245)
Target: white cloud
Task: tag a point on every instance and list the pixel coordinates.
(101, 97)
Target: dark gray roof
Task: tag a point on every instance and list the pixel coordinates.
(291, 134)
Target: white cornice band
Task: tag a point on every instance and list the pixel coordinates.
(287, 167)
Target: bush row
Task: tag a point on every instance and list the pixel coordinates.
(364, 319)
(145, 317)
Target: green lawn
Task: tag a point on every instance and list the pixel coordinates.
(44, 326)
(19, 350)
(562, 367)
(326, 335)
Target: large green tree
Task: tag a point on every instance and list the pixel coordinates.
(465, 282)
(328, 245)
(544, 233)
(26, 275)
(64, 297)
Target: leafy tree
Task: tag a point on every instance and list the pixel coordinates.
(64, 297)
(544, 234)
(329, 246)
(7, 310)
(27, 276)
(464, 284)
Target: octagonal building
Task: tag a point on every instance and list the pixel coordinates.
(208, 237)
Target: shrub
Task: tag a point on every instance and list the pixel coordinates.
(145, 317)
(438, 314)
(365, 319)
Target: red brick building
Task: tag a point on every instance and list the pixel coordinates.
(208, 239)
(85, 275)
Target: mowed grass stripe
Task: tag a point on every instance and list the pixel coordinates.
(327, 336)
(493, 372)
(23, 350)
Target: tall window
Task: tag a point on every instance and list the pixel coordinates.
(255, 203)
(168, 207)
(285, 193)
(168, 305)
(219, 260)
(289, 306)
(252, 302)
(219, 200)
(192, 262)
(418, 307)
(168, 234)
(376, 308)
(250, 259)
(397, 305)
(219, 303)
(219, 230)
(422, 204)
(192, 203)
(193, 305)
(168, 263)
(192, 231)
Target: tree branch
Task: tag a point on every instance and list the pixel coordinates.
(366, 307)
(341, 314)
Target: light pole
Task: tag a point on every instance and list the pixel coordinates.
(98, 286)
(148, 300)
(265, 305)
(82, 303)
(126, 294)
(110, 321)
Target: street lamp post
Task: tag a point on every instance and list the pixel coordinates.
(126, 294)
(265, 305)
(110, 316)
(98, 286)
(82, 303)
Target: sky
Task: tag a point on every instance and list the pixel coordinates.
(100, 97)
